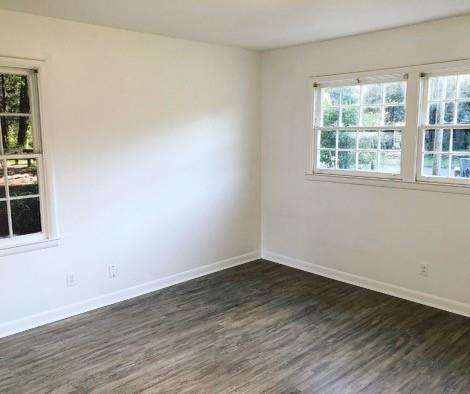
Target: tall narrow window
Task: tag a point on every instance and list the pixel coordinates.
(20, 157)
(358, 127)
(445, 134)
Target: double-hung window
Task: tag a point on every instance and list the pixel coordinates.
(410, 124)
(22, 207)
(445, 130)
(358, 126)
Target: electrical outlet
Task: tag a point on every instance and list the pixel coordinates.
(70, 279)
(112, 271)
(424, 269)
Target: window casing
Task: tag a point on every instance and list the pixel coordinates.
(23, 210)
(432, 112)
(358, 126)
(444, 143)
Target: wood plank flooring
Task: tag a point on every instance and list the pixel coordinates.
(259, 327)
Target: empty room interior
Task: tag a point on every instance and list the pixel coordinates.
(241, 196)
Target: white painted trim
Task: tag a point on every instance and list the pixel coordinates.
(28, 244)
(371, 284)
(54, 315)
(390, 183)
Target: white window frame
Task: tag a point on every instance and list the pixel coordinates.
(35, 71)
(423, 126)
(412, 134)
(317, 127)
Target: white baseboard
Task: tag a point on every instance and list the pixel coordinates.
(371, 284)
(51, 316)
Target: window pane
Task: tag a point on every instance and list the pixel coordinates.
(449, 113)
(390, 162)
(14, 95)
(25, 214)
(463, 112)
(350, 95)
(436, 88)
(350, 116)
(461, 140)
(372, 94)
(394, 115)
(328, 139)
(436, 164)
(347, 160)
(330, 117)
(4, 232)
(327, 159)
(437, 140)
(368, 140)
(2, 180)
(461, 166)
(395, 93)
(22, 177)
(330, 96)
(367, 161)
(347, 140)
(17, 134)
(464, 86)
(435, 113)
(390, 139)
(372, 116)
(451, 87)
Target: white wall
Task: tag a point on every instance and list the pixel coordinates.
(377, 233)
(155, 143)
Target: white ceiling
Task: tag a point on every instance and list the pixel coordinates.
(255, 24)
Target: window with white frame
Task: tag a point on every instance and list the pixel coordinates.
(21, 179)
(445, 132)
(358, 126)
(410, 124)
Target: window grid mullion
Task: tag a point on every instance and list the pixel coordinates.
(7, 196)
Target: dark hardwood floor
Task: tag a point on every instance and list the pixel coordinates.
(259, 327)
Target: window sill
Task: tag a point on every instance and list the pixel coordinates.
(390, 183)
(28, 246)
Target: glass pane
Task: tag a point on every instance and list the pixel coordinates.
(435, 113)
(390, 162)
(327, 159)
(22, 177)
(350, 95)
(437, 140)
(26, 217)
(464, 86)
(2, 180)
(330, 96)
(460, 166)
(350, 116)
(347, 160)
(347, 140)
(328, 139)
(371, 116)
(436, 164)
(463, 112)
(461, 140)
(367, 161)
(390, 139)
(17, 134)
(330, 117)
(436, 88)
(4, 231)
(395, 93)
(451, 87)
(372, 94)
(14, 95)
(368, 140)
(394, 115)
(449, 112)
